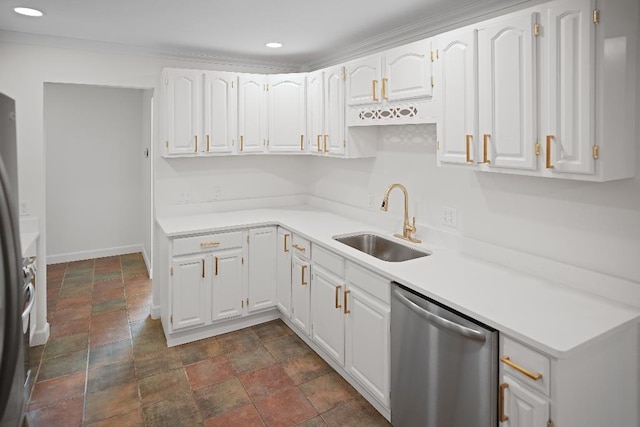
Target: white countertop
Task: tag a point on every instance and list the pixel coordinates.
(549, 316)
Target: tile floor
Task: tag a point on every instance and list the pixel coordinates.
(107, 363)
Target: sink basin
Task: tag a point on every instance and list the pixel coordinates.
(380, 247)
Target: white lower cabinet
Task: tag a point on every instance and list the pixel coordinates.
(226, 284)
(283, 254)
(301, 293)
(522, 407)
(351, 324)
(190, 292)
(261, 284)
(328, 313)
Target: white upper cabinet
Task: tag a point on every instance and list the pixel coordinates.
(407, 72)
(252, 113)
(507, 98)
(457, 123)
(220, 112)
(363, 80)
(325, 89)
(315, 111)
(183, 100)
(287, 113)
(568, 87)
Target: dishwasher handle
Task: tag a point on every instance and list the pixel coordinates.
(440, 322)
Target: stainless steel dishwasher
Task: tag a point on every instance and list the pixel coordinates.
(444, 365)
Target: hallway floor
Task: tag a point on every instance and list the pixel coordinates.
(106, 363)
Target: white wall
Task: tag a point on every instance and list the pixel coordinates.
(591, 225)
(94, 161)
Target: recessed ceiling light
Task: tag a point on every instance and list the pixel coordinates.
(273, 45)
(27, 11)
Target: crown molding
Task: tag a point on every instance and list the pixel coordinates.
(126, 49)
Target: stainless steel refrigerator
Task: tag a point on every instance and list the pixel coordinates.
(12, 298)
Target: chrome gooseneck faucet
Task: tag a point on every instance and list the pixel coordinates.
(407, 229)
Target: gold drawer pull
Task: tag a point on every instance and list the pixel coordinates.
(346, 295)
(503, 416)
(195, 137)
(469, 148)
(216, 259)
(508, 362)
(548, 153)
(384, 88)
(300, 248)
(208, 142)
(286, 249)
(304, 282)
(485, 143)
(374, 89)
(209, 244)
(301, 142)
(325, 143)
(319, 150)
(338, 296)
(241, 142)
(203, 268)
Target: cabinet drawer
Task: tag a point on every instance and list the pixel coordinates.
(208, 242)
(301, 246)
(328, 260)
(369, 282)
(516, 358)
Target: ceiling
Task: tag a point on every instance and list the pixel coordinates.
(313, 32)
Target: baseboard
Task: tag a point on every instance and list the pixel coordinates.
(96, 253)
(40, 336)
(147, 261)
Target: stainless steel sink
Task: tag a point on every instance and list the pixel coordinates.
(380, 247)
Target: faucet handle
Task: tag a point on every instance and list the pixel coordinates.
(413, 225)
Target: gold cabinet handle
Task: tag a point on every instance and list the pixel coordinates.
(216, 259)
(195, 137)
(346, 294)
(325, 143)
(375, 90)
(469, 137)
(300, 248)
(508, 362)
(319, 136)
(338, 296)
(548, 153)
(203, 268)
(241, 142)
(209, 244)
(286, 236)
(485, 140)
(304, 282)
(301, 142)
(502, 415)
(208, 142)
(384, 88)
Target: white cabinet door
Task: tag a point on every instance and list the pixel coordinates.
(284, 271)
(220, 111)
(457, 123)
(315, 111)
(300, 293)
(252, 113)
(189, 293)
(327, 313)
(183, 97)
(261, 289)
(524, 408)
(227, 300)
(287, 113)
(507, 97)
(568, 86)
(364, 80)
(367, 342)
(407, 72)
(334, 115)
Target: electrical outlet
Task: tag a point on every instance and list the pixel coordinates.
(450, 217)
(216, 192)
(25, 210)
(372, 200)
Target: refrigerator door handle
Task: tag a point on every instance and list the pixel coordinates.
(440, 322)
(32, 299)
